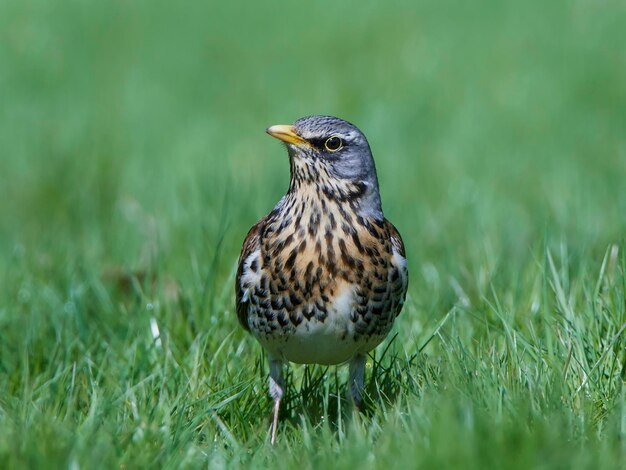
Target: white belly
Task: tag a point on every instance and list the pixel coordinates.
(332, 341)
(318, 345)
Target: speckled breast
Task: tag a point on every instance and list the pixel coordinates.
(325, 283)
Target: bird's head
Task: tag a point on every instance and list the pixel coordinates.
(332, 155)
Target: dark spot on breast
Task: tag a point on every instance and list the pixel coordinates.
(372, 251)
(314, 222)
(328, 192)
(273, 289)
(358, 189)
(372, 230)
(292, 259)
(299, 217)
(328, 236)
(294, 299)
(346, 228)
(380, 289)
(321, 306)
(282, 319)
(308, 312)
(357, 242)
(278, 264)
(295, 318)
(331, 265)
(288, 240)
(345, 257)
(344, 214)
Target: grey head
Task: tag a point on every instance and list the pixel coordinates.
(340, 149)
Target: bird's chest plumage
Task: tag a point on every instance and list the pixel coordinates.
(321, 286)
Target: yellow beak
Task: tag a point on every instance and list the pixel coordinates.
(286, 134)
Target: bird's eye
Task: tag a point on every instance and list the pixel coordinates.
(333, 143)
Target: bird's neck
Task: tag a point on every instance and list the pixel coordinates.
(313, 190)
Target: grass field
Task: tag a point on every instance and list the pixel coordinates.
(133, 160)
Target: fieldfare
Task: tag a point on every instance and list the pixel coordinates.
(323, 276)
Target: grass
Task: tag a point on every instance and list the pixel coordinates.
(133, 161)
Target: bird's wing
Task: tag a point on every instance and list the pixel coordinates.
(248, 271)
(399, 278)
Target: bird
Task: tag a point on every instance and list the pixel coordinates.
(323, 276)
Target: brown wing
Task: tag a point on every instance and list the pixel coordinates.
(401, 281)
(251, 245)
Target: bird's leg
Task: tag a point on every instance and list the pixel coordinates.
(357, 377)
(277, 387)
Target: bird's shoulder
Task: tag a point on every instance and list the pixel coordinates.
(396, 238)
(248, 268)
(400, 277)
(253, 239)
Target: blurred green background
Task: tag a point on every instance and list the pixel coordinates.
(132, 141)
(496, 118)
